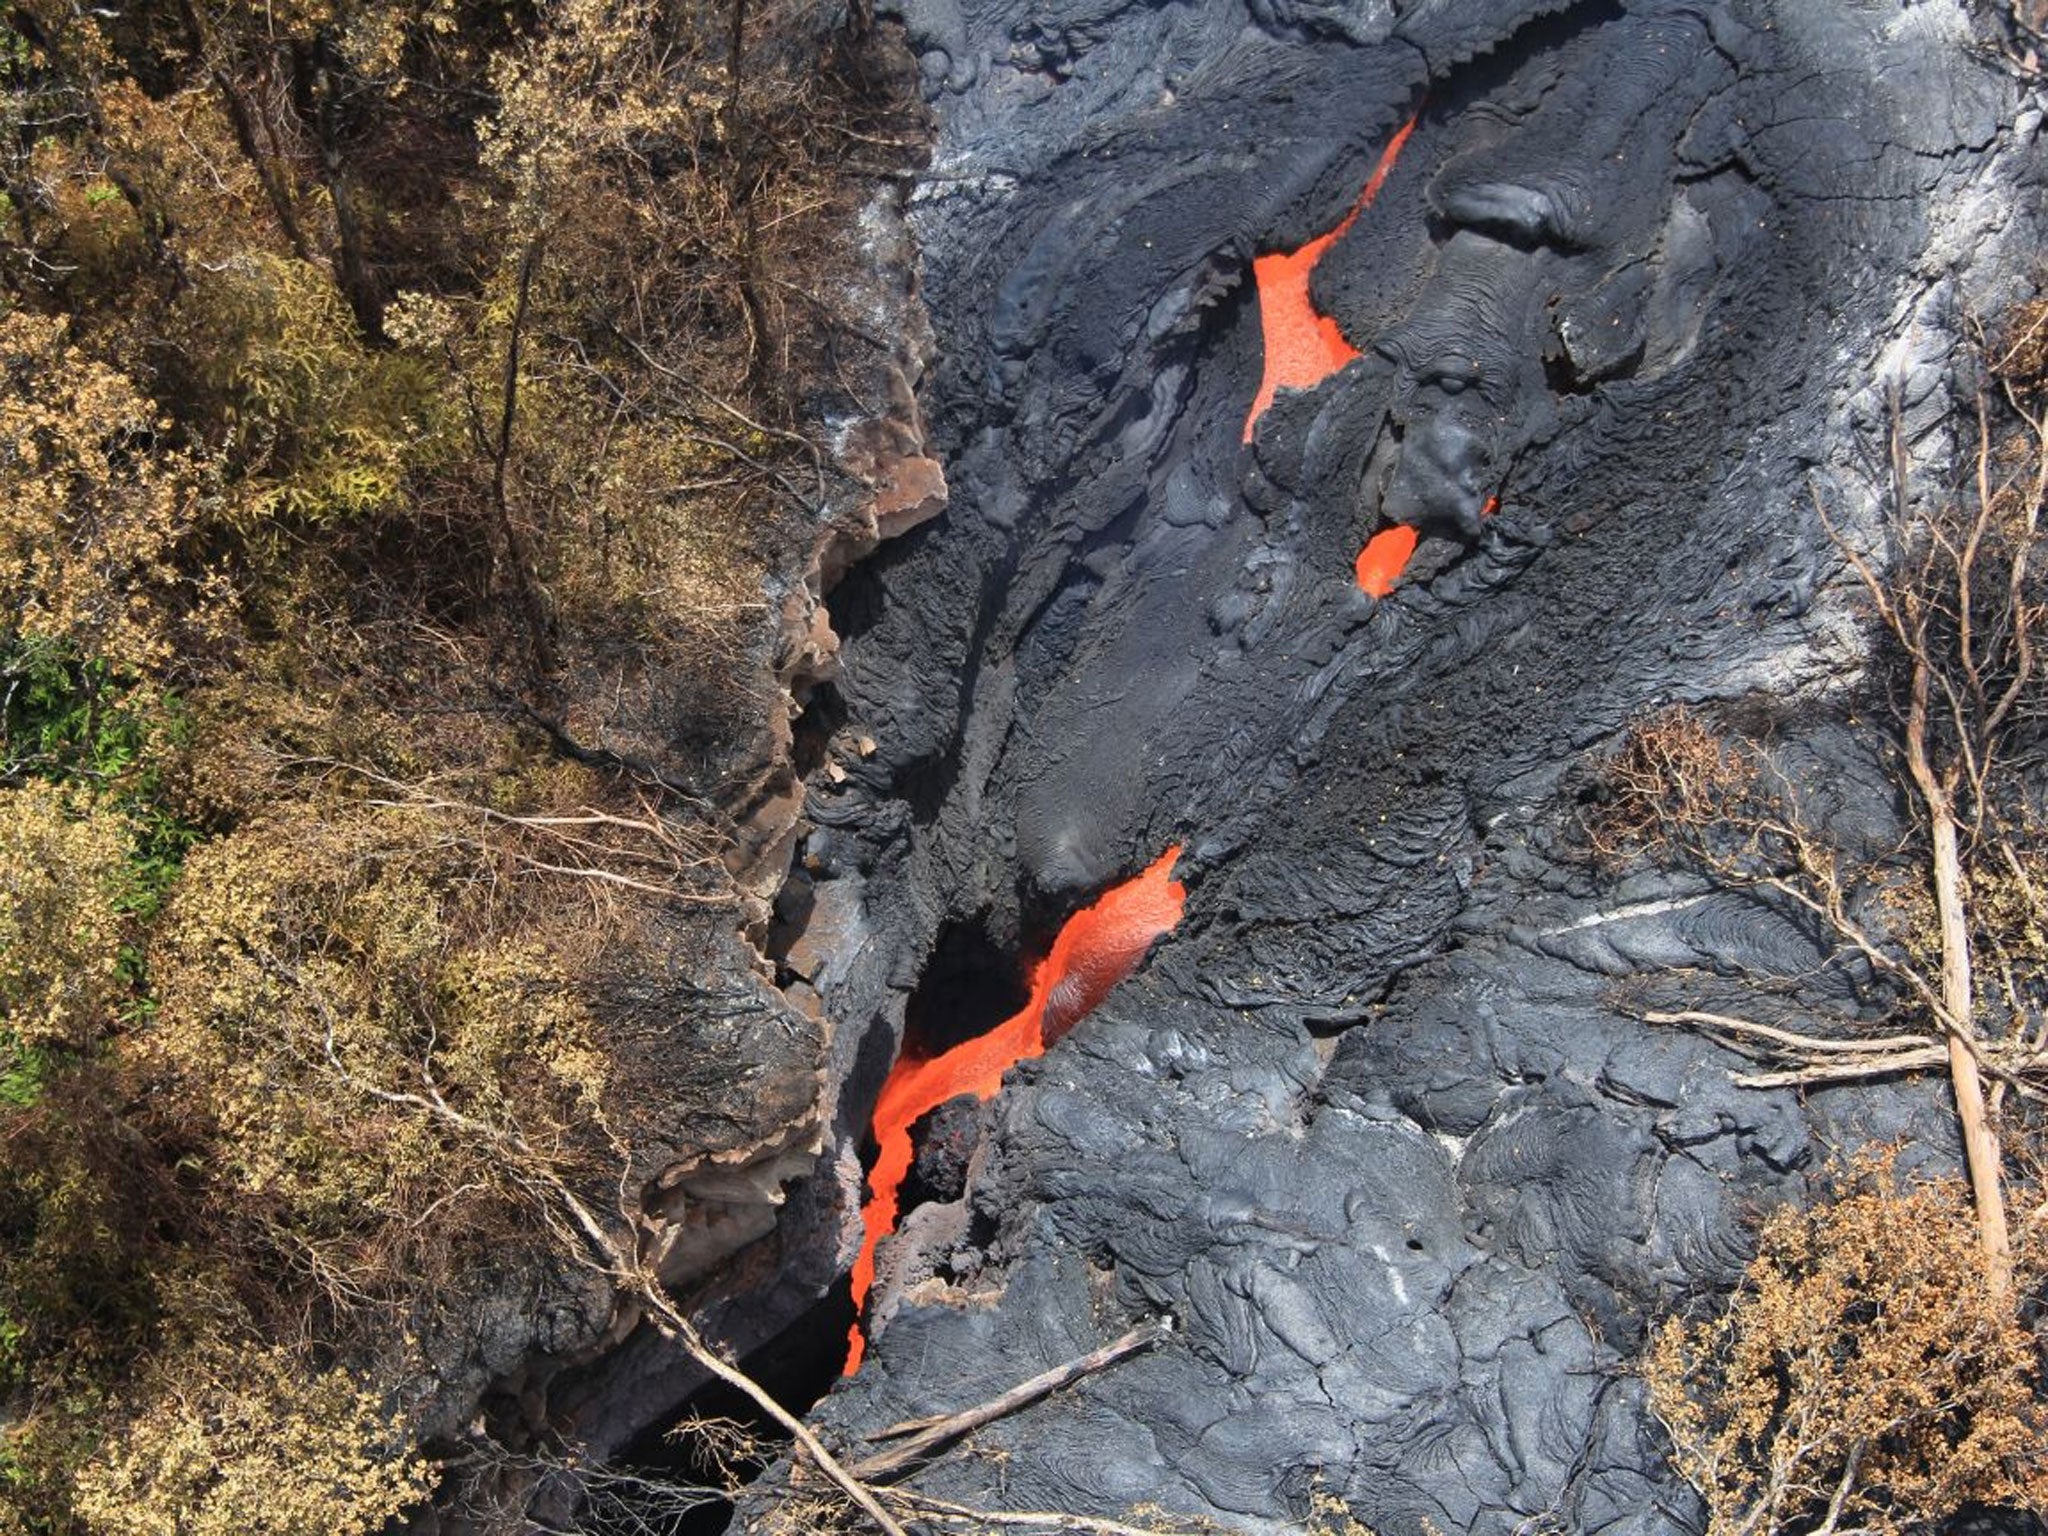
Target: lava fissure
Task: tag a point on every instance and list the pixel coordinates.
(1096, 948)
(1377, 793)
(1384, 558)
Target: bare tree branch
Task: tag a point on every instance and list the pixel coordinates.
(926, 1436)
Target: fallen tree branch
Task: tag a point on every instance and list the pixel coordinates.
(626, 882)
(1845, 1072)
(655, 845)
(1043, 1520)
(671, 1323)
(1787, 1037)
(927, 1435)
(1824, 1060)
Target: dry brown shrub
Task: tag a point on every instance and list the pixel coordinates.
(2021, 353)
(91, 504)
(1673, 777)
(1862, 1379)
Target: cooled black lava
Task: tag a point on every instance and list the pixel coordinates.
(1627, 276)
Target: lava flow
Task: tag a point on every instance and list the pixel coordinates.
(1302, 347)
(1097, 948)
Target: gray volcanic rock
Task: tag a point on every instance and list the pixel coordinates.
(1377, 1126)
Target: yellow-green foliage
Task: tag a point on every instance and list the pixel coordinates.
(68, 1284)
(373, 378)
(645, 545)
(245, 1441)
(312, 960)
(310, 963)
(318, 424)
(549, 140)
(90, 502)
(1864, 1377)
(283, 942)
(61, 869)
(507, 1007)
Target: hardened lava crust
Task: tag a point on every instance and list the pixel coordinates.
(1377, 1125)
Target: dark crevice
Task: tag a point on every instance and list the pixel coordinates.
(789, 917)
(1473, 80)
(824, 711)
(1562, 378)
(993, 584)
(924, 783)
(970, 984)
(857, 603)
(797, 1368)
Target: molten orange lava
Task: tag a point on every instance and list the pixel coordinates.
(1097, 948)
(1303, 348)
(1387, 553)
(1384, 558)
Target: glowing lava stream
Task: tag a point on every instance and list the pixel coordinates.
(1097, 948)
(1387, 553)
(1303, 348)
